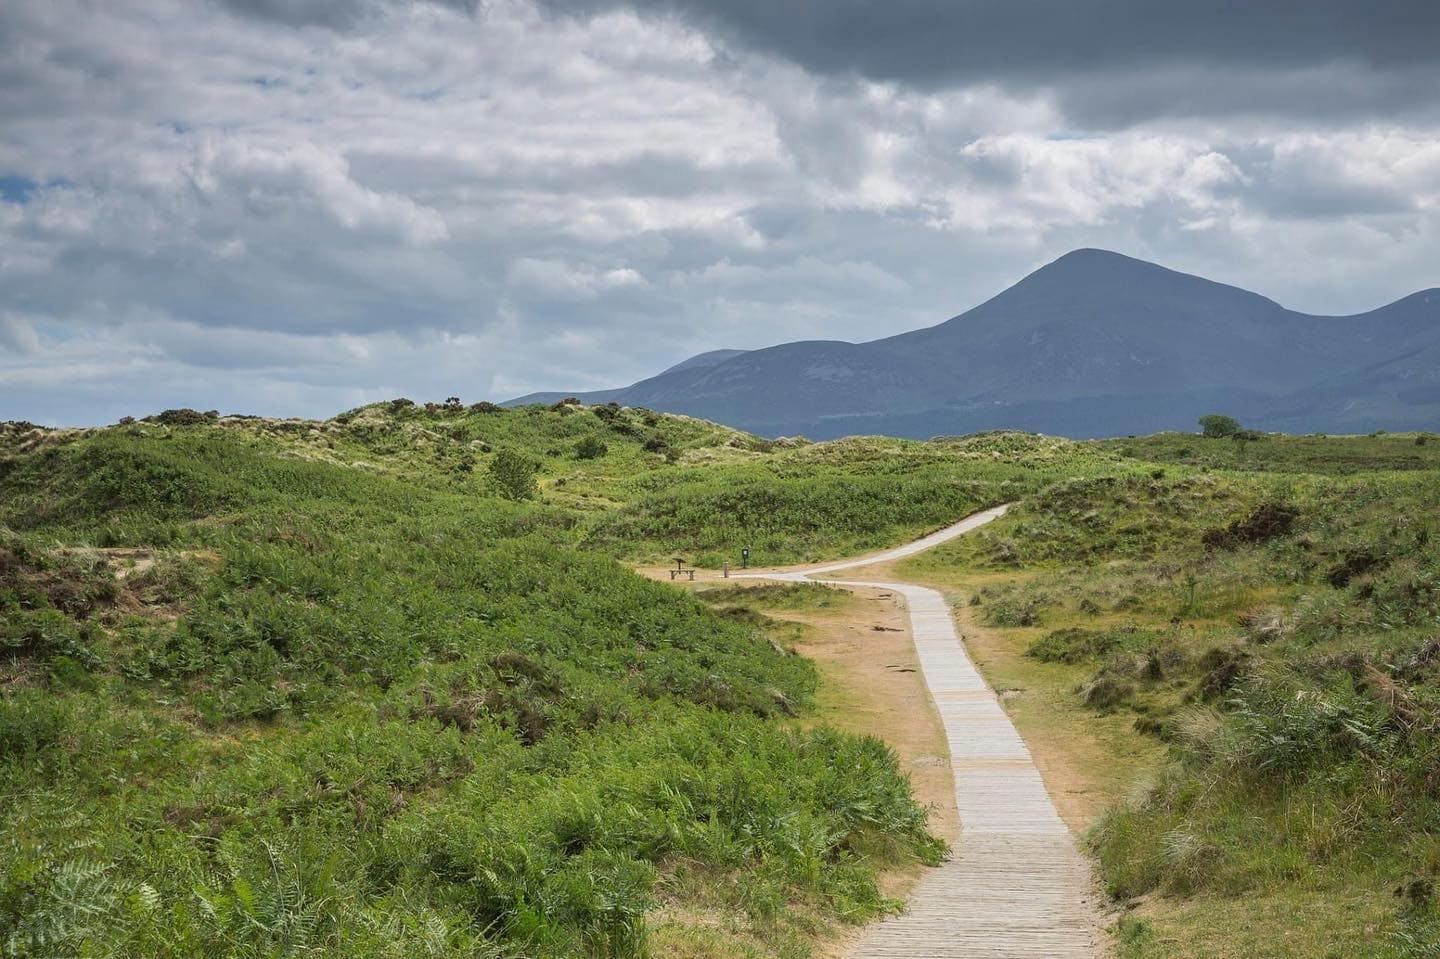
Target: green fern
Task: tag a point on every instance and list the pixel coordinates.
(66, 907)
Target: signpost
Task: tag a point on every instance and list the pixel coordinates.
(745, 558)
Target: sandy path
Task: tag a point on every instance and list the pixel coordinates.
(1017, 886)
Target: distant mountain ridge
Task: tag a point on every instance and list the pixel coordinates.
(1093, 344)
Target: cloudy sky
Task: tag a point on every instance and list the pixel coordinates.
(293, 207)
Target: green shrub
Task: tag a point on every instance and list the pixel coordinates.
(590, 448)
(43, 634)
(1075, 645)
(182, 417)
(1266, 522)
(31, 723)
(513, 475)
(1013, 611)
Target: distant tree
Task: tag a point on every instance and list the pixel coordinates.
(1218, 425)
(513, 475)
(591, 448)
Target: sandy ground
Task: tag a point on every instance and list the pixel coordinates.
(867, 659)
(1075, 758)
(1088, 763)
(870, 683)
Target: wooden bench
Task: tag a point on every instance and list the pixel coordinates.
(680, 570)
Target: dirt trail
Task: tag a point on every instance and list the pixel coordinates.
(1017, 886)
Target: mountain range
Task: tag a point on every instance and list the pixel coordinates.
(1093, 344)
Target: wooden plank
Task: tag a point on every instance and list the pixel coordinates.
(1016, 885)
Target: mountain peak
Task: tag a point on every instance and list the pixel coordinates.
(1093, 343)
(1091, 261)
(1104, 278)
(1093, 253)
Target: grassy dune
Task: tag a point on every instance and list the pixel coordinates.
(1275, 629)
(281, 687)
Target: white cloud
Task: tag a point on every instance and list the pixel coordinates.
(436, 203)
(555, 280)
(1065, 182)
(271, 182)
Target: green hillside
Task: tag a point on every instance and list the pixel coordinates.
(1275, 626)
(383, 685)
(290, 688)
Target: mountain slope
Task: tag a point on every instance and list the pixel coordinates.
(705, 360)
(1092, 344)
(699, 361)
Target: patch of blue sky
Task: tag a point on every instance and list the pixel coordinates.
(15, 188)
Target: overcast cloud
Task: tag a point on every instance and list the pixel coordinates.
(296, 207)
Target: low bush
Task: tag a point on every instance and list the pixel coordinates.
(1266, 522)
(182, 417)
(30, 724)
(1076, 645)
(591, 448)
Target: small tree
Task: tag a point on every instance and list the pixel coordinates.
(513, 475)
(1217, 425)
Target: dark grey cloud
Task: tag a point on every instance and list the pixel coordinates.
(334, 14)
(1108, 61)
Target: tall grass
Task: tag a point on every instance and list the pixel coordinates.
(353, 711)
(1277, 629)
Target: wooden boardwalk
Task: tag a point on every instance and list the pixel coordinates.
(1016, 886)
